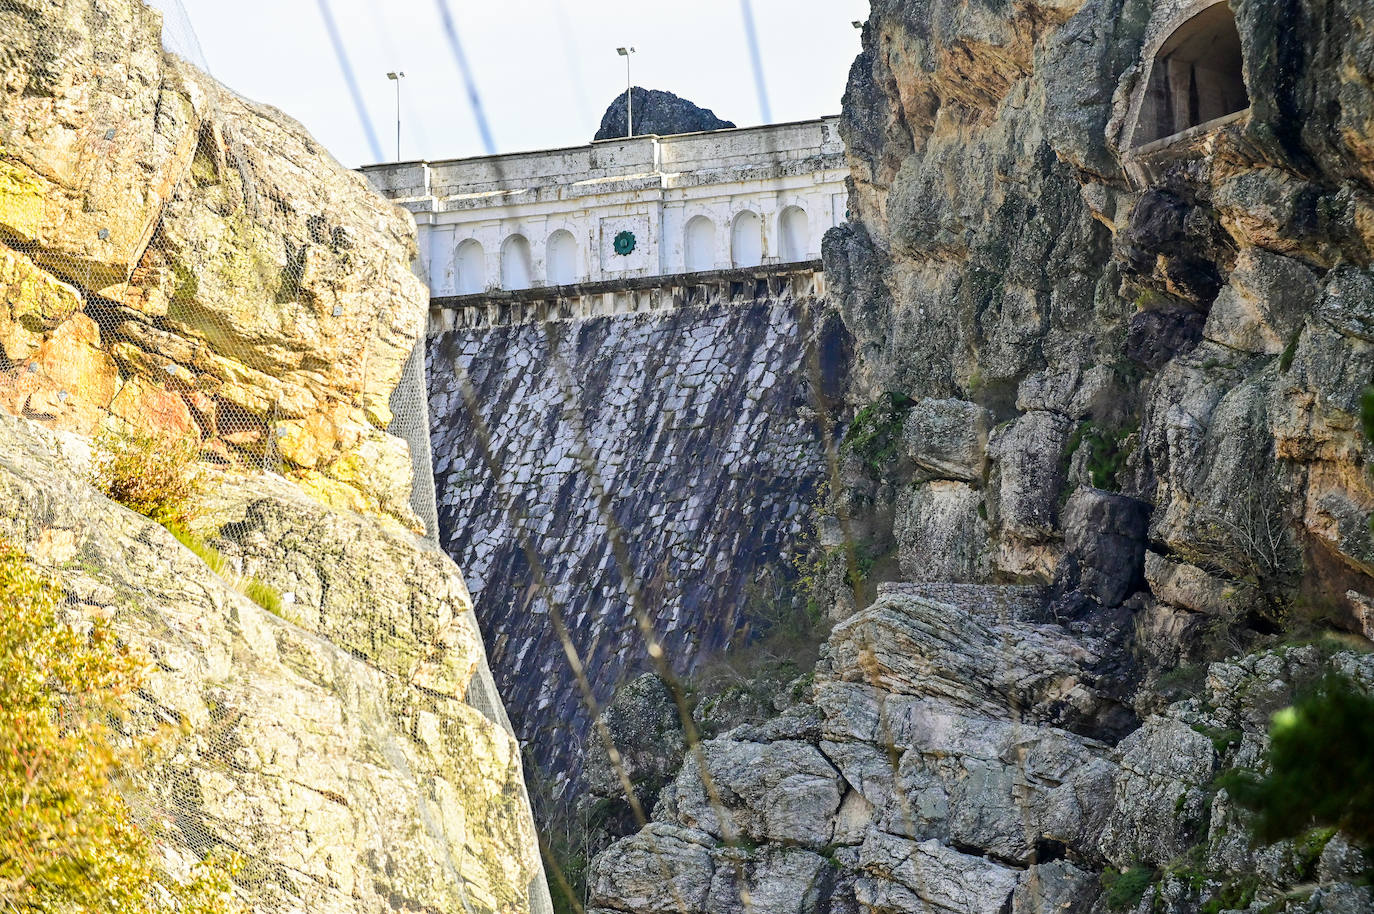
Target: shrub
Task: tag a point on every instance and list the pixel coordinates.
(157, 478)
(1107, 451)
(67, 839)
(152, 475)
(1321, 767)
(266, 596)
(203, 550)
(1367, 412)
(1124, 890)
(876, 431)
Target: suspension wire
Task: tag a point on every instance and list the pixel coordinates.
(751, 36)
(616, 537)
(351, 79)
(474, 96)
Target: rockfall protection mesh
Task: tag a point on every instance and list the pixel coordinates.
(179, 261)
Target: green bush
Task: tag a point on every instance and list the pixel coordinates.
(153, 475)
(1124, 890)
(876, 431)
(1107, 450)
(1367, 412)
(1321, 767)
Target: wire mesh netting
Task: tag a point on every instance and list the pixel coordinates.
(210, 317)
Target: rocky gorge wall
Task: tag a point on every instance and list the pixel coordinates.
(697, 424)
(186, 272)
(1113, 443)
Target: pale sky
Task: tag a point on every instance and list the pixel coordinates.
(545, 69)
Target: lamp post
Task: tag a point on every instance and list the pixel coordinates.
(629, 93)
(396, 78)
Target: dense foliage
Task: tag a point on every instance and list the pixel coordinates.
(1321, 767)
(67, 841)
(148, 474)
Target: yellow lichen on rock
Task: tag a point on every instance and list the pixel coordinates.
(259, 291)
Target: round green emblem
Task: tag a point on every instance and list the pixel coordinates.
(624, 243)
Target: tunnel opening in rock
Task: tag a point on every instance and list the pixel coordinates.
(1196, 78)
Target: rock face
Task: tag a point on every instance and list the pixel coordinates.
(1143, 321)
(699, 423)
(1123, 372)
(657, 112)
(227, 279)
(180, 263)
(335, 751)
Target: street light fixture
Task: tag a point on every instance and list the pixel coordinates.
(629, 93)
(396, 78)
(857, 23)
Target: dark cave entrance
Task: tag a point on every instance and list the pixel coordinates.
(1196, 78)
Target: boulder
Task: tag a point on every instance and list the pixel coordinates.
(663, 869)
(1028, 472)
(942, 533)
(1104, 542)
(95, 138)
(772, 880)
(1263, 305)
(657, 112)
(948, 438)
(901, 876)
(978, 659)
(1160, 794)
(646, 731)
(352, 773)
(35, 303)
(784, 791)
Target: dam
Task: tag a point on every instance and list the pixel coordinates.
(628, 364)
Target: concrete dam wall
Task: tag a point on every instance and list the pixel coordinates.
(698, 423)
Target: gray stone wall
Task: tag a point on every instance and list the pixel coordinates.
(700, 426)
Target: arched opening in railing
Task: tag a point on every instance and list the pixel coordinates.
(560, 258)
(794, 234)
(746, 240)
(471, 268)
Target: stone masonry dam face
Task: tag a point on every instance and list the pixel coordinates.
(699, 424)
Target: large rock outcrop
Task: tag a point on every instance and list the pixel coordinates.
(185, 259)
(1120, 369)
(331, 747)
(1162, 321)
(657, 112)
(180, 265)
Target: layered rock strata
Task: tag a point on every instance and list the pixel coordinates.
(910, 786)
(1114, 445)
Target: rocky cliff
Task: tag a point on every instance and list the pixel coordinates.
(186, 268)
(1107, 282)
(656, 112)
